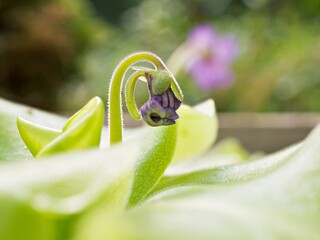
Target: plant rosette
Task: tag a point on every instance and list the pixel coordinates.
(59, 180)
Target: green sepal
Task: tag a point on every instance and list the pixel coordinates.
(161, 81)
(176, 90)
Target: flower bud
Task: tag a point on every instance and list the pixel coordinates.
(161, 108)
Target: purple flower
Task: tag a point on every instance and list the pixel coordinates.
(161, 108)
(210, 65)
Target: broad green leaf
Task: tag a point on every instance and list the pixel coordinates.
(153, 160)
(11, 145)
(283, 203)
(61, 187)
(276, 197)
(19, 221)
(92, 110)
(35, 136)
(197, 130)
(156, 157)
(67, 183)
(205, 172)
(229, 147)
(81, 131)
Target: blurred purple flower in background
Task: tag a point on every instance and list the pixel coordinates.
(210, 65)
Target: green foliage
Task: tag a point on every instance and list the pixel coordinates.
(278, 58)
(41, 45)
(203, 114)
(66, 46)
(86, 194)
(155, 157)
(274, 203)
(161, 183)
(81, 131)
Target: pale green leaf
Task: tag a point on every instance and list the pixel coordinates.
(35, 136)
(11, 145)
(81, 131)
(282, 203)
(67, 183)
(153, 160)
(61, 187)
(19, 221)
(205, 172)
(197, 130)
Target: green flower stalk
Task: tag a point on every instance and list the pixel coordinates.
(165, 94)
(83, 129)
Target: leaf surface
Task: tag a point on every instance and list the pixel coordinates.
(197, 130)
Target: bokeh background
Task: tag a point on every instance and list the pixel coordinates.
(57, 54)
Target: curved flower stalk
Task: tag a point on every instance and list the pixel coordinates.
(165, 94)
(81, 131)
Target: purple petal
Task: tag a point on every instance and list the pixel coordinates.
(168, 122)
(202, 34)
(152, 106)
(209, 74)
(202, 38)
(225, 49)
(210, 66)
(171, 114)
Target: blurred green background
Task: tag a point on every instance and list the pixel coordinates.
(57, 54)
